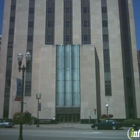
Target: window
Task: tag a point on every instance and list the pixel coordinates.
(129, 82)
(104, 9)
(106, 53)
(50, 3)
(11, 31)
(6, 111)
(7, 91)
(12, 19)
(30, 23)
(50, 24)
(31, 17)
(85, 10)
(28, 82)
(104, 16)
(13, 7)
(67, 10)
(49, 38)
(67, 38)
(86, 38)
(8, 83)
(107, 82)
(104, 3)
(107, 67)
(8, 74)
(106, 60)
(67, 24)
(50, 10)
(13, 1)
(29, 66)
(30, 38)
(105, 38)
(9, 54)
(104, 23)
(27, 90)
(86, 23)
(10, 44)
(108, 89)
(9, 59)
(31, 10)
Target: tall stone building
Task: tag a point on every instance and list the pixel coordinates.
(138, 54)
(83, 57)
(0, 41)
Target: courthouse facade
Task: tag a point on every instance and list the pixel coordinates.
(83, 57)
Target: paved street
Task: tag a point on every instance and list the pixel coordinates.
(61, 132)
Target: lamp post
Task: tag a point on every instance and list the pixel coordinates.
(38, 96)
(107, 109)
(23, 68)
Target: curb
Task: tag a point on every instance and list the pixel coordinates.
(84, 127)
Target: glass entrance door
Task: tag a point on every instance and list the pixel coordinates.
(68, 118)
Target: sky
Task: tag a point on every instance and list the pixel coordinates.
(136, 4)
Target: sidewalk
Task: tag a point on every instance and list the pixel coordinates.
(62, 126)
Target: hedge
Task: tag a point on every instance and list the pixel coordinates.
(130, 122)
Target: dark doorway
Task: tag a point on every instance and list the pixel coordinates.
(68, 115)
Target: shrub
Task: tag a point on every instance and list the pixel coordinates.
(22, 117)
(129, 122)
(27, 117)
(104, 116)
(17, 117)
(110, 116)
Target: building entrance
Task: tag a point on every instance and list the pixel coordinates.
(68, 118)
(68, 115)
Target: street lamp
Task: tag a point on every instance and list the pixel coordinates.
(107, 109)
(23, 68)
(38, 96)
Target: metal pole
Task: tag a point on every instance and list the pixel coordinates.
(20, 132)
(38, 113)
(107, 111)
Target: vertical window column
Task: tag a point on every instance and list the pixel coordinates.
(49, 33)
(67, 22)
(67, 76)
(107, 72)
(128, 71)
(60, 76)
(85, 19)
(67, 73)
(30, 36)
(9, 59)
(75, 76)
